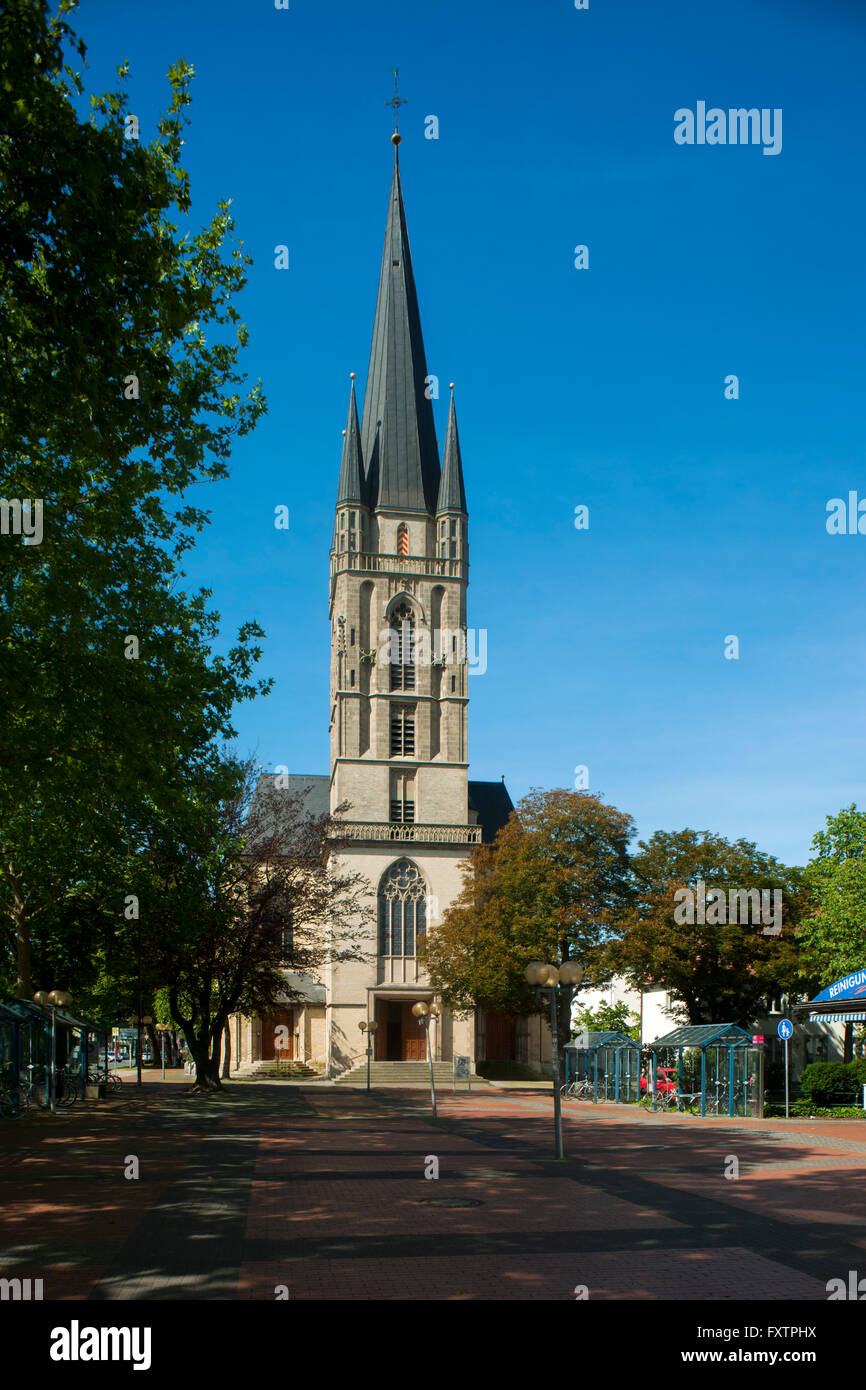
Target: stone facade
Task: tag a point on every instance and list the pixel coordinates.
(398, 784)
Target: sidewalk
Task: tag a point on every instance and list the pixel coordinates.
(322, 1190)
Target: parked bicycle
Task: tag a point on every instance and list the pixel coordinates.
(579, 1090)
(8, 1108)
(109, 1079)
(68, 1087)
(32, 1089)
(686, 1102)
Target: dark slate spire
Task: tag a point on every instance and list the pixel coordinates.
(452, 497)
(351, 488)
(398, 434)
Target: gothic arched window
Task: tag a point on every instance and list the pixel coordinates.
(402, 654)
(402, 909)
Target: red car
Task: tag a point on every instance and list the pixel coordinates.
(666, 1080)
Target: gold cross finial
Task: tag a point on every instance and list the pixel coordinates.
(396, 101)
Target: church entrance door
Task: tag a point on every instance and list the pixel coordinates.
(278, 1040)
(399, 1038)
(414, 1037)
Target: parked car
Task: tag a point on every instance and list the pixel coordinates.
(666, 1080)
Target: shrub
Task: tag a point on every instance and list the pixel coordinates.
(828, 1082)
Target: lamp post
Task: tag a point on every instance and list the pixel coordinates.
(162, 1029)
(370, 1030)
(57, 999)
(138, 1020)
(546, 978)
(424, 1012)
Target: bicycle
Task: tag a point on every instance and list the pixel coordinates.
(718, 1104)
(664, 1100)
(107, 1079)
(579, 1090)
(68, 1087)
(32, 1090)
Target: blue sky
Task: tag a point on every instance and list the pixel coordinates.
(603, 387)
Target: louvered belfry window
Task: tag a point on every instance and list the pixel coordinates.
(402, 539)
(403, 799)
(402, 730)
(402, 648)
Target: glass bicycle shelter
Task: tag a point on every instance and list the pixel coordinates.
(41, 1041)
(609, 1062)
(719, 1069)
(10, 1047)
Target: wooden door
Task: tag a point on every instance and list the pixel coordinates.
(499, 1038)
(414, 1037)
(278, 1036)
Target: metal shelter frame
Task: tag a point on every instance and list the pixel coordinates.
(718, 1037)
(31, 1016)
(10, 1048)
(620, 1064)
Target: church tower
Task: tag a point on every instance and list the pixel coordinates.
(399, 688)
(399, 573)
(399, 567)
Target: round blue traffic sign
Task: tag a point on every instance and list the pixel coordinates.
(785, 1028)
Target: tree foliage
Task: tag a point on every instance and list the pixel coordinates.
(235, 896)
(833, 933)
(553, 887)
(609, 1018)
(97, 287)
(715, 973)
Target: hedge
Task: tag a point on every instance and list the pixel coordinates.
(826, 1082)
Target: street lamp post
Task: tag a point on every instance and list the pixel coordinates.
(370, 1030)
(162, 1029)
(57, 999)
(138, 1020)
(424, 1013)
(546, 978)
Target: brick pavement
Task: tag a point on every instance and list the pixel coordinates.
(322, 1190)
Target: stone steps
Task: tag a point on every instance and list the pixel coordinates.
(403, 1074)
(287, 1071)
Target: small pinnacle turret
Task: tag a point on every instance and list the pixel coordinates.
(452, 496)
(351, 488)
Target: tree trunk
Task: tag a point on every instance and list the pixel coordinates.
(21, 920)
(205, 1080)
(227, 1053)
(155, 1045)
(848, 1045)
(213, 1068)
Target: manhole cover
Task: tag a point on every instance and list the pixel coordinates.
(449, 1202)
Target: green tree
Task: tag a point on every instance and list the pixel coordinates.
(716, 972)
(609, 1018)
(553, 887)
(119, 390)
(832, 934)
(237, 892)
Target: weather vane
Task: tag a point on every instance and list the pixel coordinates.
(396, 101)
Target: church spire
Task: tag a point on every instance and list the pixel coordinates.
(398, 435)
(452, 497)
(351, 487)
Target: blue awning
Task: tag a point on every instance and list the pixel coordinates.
(838, 1018)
